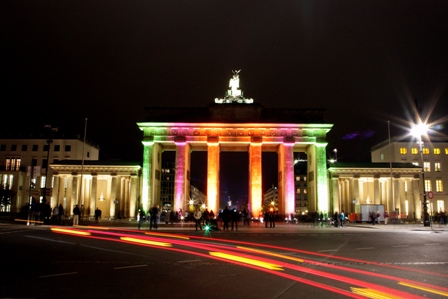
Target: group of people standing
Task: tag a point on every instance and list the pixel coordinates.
(152, 216)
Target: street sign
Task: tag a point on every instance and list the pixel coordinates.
(430, 194)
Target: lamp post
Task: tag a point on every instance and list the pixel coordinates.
(418, 131)
(51, 130)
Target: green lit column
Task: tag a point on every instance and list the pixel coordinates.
(321, 177)
(147, 174)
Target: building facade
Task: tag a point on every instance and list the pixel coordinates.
(25, 164)
(435, 166)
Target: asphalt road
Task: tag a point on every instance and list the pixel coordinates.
(289, 261)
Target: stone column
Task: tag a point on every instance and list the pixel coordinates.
(55, 191)
(133, 199)
(255, 177)
(93, 194)
(181, 180)
(335, 194)
(75, 199)
(355, 192)
(113, 196)
(286, 194)
(150, 173)
(396, 194)
(376, 190)
(213, 159)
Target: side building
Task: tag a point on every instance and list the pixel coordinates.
(25, 160)
(432, 156)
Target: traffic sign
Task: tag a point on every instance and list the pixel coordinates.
(430, 194)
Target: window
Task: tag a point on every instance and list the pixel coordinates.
(68, 148)
(43, 180)
(304, 191)
(403, 151)
(439, 186)
(57, 148)
(382, 157)
(13, 164)
(298, 191)
(33, 162)
(304, 178)
(35, 148)
(437, 151)
(437, 167)
(2, 147)
(24, 147)
(88, 154)
(414, 151)
(297, 179)
(426, 167)
(46, 147)
(446, 150)
(428, 185)
(425, 151)
(44, 163)
(14, 147)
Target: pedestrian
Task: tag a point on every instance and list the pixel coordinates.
(342, 217)
(336, 219)
(271, 218)
(76, 215)
(197, 218)
(205, 217)
(141, 218)
(386, 217)
(226, 215)
(55, 217)
(266, 218)
(235, 218)
(97, 214)
(61, 213)
(154, 215)
(321, 218)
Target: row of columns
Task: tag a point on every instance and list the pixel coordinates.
(349, 192)
(119, 194)
(286, 183)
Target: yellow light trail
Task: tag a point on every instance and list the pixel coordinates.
(69, 231)
(415, 286)
(369, 293)
(146, 242)
(168, 235)
(245, 260)
(272, 254)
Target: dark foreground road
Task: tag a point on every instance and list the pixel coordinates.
(178, 262)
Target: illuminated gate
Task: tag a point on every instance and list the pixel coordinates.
(236, 124)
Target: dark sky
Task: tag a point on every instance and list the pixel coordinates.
(365, 62)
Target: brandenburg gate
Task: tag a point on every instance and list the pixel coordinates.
(235, 123)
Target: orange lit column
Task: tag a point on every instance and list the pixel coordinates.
(255, 177)
(286, 204)
(181, 180)
(213, 149)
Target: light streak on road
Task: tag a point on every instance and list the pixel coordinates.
(373, 294)
(272, 254)
(426, 289)
(70, 231)
(247, 261)
(243, 256)
(168, 235)
(146, 242)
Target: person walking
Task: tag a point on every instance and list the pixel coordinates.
(226, 215)
(61, 213)
(154, 215)
(97, 214)
(197, 218)
(271, 218)
(342, 217)
(76, 215)
(141, 218)
(235, 218)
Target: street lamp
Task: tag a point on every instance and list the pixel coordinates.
(418, 131)
(51, 131)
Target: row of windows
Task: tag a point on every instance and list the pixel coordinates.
(35, 148)
(427, 166)
(425, 151)
(439, 186)
(300, 178)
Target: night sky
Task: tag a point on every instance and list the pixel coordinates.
(365, 62)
